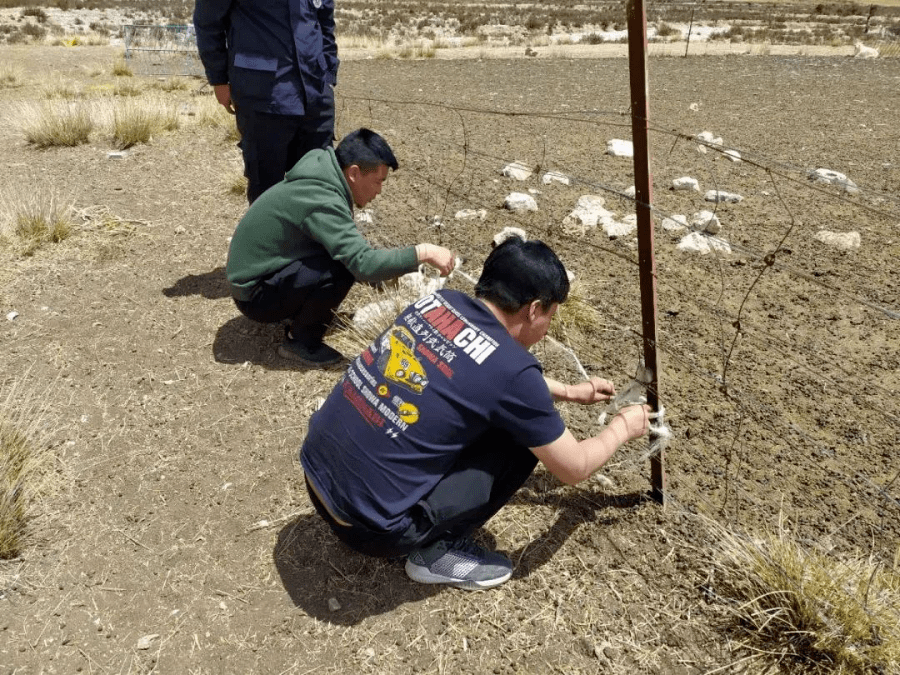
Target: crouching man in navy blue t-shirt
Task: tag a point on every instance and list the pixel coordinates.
(435, 426)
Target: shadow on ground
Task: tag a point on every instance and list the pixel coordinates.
(212, 285)
(333, 583)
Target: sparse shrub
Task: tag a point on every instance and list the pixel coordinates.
(121, 69)
(592, 39)
(31, 218)
(14, 456)
(666, 30)
(809, 609)
(33, 31)
(10, 75)
(138, 120)
(56, 123)
(39, 14)
(237, 185)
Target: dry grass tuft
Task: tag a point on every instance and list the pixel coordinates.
(576, 317)
(808, 611)
(24, 456)
(10, 75)
(121, 69)
(137, 121)
(237, 184)
(382, 307)
(31, 218)
(55, 123)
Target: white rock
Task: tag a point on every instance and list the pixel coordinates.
(12, 316)
(508, 232)
(619, 228)
(686, 183)
(587, 213)
(555, 177)
(333, 604)
(631, 191)
(146, 641)
(570, 275)
(827, 176)
(733, 155)
(364, 217)
(519, 201)
(722, 196)
(675, 223)
(418, 284)
(517, 170)
(117, 155)
(619, 148)
(706, 221)
(471, 214)
(863, 52)
(709, 138)
(694, 107)
(846, 241)
(697, 242)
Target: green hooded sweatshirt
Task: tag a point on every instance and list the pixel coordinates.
(309, 213)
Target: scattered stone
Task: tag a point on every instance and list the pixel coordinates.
(846, 241)
(587, 213)
(508, 232)
(722, 196)
(619, 148)
(517, 170)
(374, 314)
(698, 242)
(827, 176)
(364, 217)
(471, 214)
(708, 138)
(706, 221)
(146, 641)
(675, 223)
(733, 155)
(333, 604)
(555, 177)
(12, 316)
(630, 192)
(519, 201)
(117, 154)
(686, 183)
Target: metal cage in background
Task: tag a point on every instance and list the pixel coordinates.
(162, 50)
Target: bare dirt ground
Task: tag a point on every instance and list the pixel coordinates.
(179, 538)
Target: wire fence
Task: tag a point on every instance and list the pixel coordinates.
(780, 369)
(162, 50)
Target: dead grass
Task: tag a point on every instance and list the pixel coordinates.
(55, 123)
(137, 121)
(24, 461)
(31, 217)
(808, 611)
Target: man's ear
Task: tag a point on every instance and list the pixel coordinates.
(352, 173)
(533, 309)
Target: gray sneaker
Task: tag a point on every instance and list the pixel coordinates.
(461, 563)
(318, 356)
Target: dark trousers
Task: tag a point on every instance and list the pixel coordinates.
(484, 479)
(272, 144)
(306, 293)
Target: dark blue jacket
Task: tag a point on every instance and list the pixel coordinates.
(277, 55)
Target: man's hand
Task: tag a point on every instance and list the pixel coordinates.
(631, 422)
(223, 96)
(436, 256)
(594, 390)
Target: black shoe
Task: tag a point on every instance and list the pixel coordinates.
(318, 356)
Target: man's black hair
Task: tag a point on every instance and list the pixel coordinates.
(518, 272)
(366, 149)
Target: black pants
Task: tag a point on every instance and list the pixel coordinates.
(306, 293)
(484, 479)
(272, 144)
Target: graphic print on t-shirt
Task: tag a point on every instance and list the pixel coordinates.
(431, 331)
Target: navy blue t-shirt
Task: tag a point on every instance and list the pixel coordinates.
(441, 376)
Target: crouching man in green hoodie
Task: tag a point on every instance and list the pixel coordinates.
(297, 251)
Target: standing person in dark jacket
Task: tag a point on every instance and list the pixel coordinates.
(297, 251)
(272, 63)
